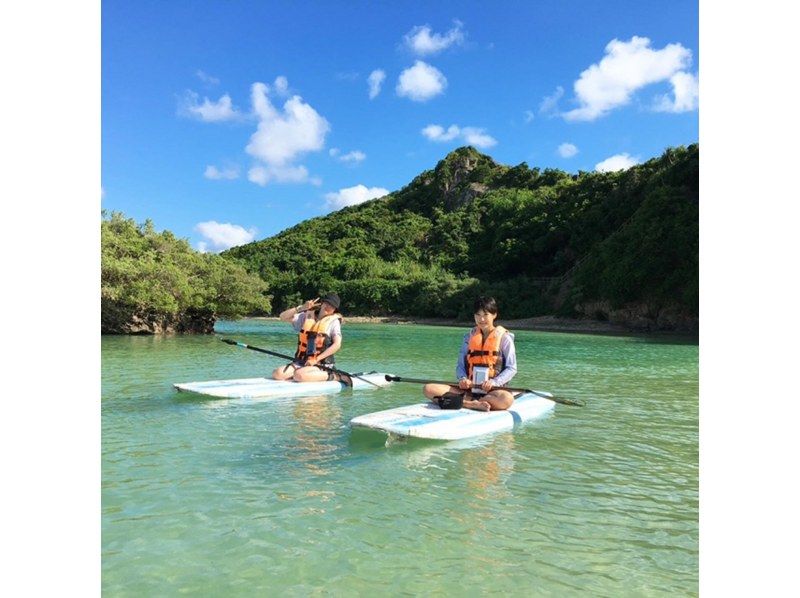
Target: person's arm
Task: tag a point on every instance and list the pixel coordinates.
(289, 314)
(509, 353)
(335, 346)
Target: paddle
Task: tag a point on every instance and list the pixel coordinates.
(574, 402)
(282, 356)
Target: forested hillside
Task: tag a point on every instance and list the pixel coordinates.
(620, 245)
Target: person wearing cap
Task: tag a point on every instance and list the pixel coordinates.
(319, 327)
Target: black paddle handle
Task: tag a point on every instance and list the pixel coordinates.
(282, 356)
(573, 402)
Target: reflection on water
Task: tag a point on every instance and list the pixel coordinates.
(319, 420)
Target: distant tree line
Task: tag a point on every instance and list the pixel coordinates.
(155, 282)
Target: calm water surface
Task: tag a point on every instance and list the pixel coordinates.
(256, 497)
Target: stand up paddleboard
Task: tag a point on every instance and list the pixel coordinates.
(251, 388)
(426, 420)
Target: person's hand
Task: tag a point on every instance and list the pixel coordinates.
(464, 384)
(312, 360)
(487, 385)
(310, 304)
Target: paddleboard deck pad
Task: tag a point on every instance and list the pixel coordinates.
(251, 388)
(426, 420)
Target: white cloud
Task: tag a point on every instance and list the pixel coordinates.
(616, 162)
(261, 175)
(549, 104)
(685, 94)
(421, 41)
(215, 174)
(477, 137)
(352, 196)
(626, 67)
(528, 116)
(353, 157)
(209, 111)
(471, 135)
(375, 80)
(223, 236)
(206, 78)
(437, 132)
(283, 136)
(567, 150)
(281, 85)
(421, 82)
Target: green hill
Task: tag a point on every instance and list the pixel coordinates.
(620, 245)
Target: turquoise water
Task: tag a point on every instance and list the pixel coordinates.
(258, 497)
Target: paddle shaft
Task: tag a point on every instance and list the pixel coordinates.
(539, 394)
(282, 356)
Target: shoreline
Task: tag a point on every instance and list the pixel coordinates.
(539, 323)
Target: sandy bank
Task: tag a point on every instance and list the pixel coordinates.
(542, 323)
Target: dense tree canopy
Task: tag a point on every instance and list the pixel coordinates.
(540, 241)
(156, 277)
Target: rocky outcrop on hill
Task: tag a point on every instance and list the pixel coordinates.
(116, 319)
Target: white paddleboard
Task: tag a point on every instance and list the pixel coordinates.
(426, 420)
(250, 388)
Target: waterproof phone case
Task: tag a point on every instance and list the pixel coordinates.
(480, 374)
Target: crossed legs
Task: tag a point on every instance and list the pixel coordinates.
(496, 400)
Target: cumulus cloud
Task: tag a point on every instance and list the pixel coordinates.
(437, 132)
(616, 162)
(685, 92)
(351, 196)
(528, 114)
(471, 135)
(283, 136)
(215, 174)
(549, 104)
(221, 236)
(421, 82)
(375, 81)
(422, 41)
(626, 68)
(567, 150)
(208, 110)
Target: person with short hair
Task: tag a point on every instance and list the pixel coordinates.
(487, 362)
(319, 336)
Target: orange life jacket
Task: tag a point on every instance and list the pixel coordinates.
(315, 332)
(485, 353)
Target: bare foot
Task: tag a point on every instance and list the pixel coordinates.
(478, 405)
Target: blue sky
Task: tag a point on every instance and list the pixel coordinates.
(226, 122)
